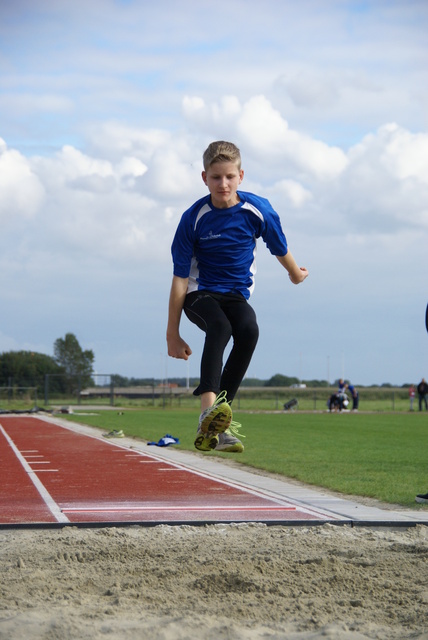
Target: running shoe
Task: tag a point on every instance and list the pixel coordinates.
(228, 442)
(422, 498)
(115, 434)
(206, 443)
(214, 420)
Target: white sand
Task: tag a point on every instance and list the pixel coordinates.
(215, 582)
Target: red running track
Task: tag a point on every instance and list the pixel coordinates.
(51, 475)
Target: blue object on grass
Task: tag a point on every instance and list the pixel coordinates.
(166, 441)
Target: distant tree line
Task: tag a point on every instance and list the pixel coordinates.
(278, 380)
(69, 369)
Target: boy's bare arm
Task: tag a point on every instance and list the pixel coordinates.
(177, 347)
(295, 273)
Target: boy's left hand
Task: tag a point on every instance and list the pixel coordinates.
(297, 278)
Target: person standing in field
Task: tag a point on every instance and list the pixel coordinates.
(412, 394)
(355, 396)
(422, 393)
(423, 497)
(213, 254)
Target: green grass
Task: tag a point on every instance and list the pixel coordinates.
(382, 456)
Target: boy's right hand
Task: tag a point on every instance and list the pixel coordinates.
(178, 348)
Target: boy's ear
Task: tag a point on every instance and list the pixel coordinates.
(204, 176)
(241, 175)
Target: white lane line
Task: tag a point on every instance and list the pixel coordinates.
(44, 493)
(175, 508)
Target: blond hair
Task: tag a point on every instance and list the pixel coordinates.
(221, 151)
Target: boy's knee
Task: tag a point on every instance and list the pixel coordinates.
(220, 328)
(249, 333)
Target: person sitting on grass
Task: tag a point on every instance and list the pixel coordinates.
(338, 401)
(213, 254)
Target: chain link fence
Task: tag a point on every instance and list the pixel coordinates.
(104, 393)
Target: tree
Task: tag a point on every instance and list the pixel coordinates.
(278, 380)
(252, 382)
(28, 369)
(77, 364)
(313, 384)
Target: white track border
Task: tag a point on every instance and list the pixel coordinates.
(44, 493)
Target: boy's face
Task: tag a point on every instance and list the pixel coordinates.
(223, 180)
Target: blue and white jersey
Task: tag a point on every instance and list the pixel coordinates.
(216, 248)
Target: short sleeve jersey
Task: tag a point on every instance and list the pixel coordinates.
(216, 248)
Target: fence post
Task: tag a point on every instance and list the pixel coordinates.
(46, 389)
(111, 391)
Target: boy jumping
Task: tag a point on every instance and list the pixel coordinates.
(213, 253)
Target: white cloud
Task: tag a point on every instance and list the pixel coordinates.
(123, 206)
(395, 150)
(296, 194)
(205, 115)
(115, 210)
(128, 169)
(21, 192)
(405, 154)
(113, 139)
(309, 89)
(385, 185)
(265, 132)
(75, 164)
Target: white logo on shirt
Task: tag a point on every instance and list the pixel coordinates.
(212, 236)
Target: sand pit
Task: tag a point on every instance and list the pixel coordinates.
(216, 582)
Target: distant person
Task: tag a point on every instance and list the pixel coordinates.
(355, 396)
(423, 497)
(422, 393)
(334, 403)
(412, 394)
(338, 401)
(213, 256)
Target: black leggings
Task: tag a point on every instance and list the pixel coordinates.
(222, 316)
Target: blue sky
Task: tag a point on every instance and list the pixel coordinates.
(105, 110)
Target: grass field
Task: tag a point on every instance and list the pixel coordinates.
(383, 456)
